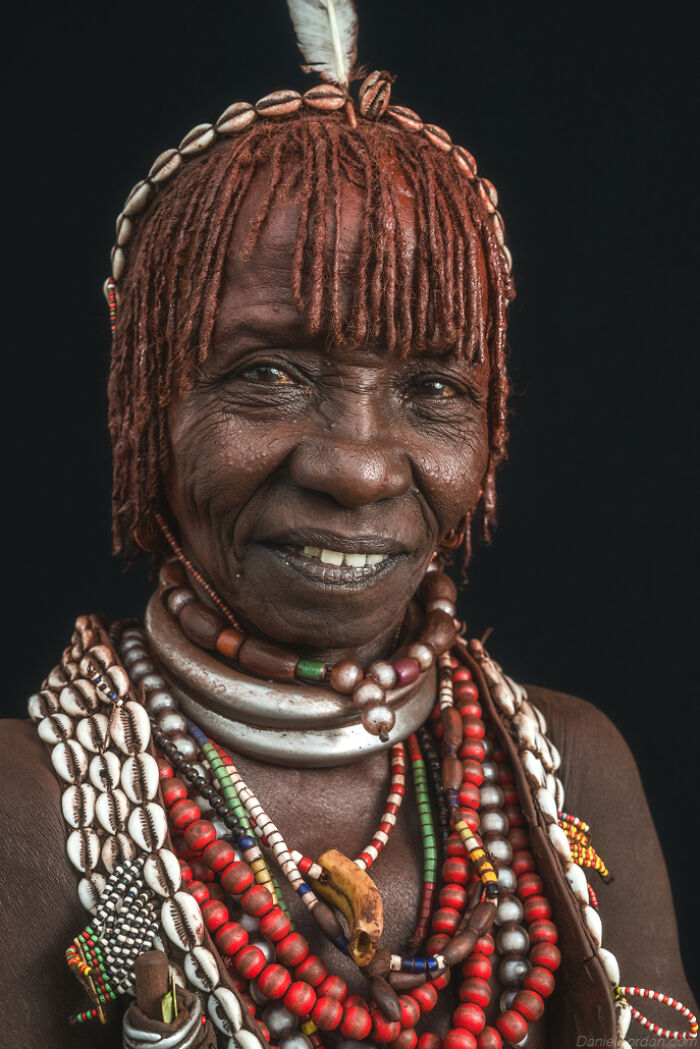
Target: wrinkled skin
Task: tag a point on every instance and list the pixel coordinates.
(285, 442)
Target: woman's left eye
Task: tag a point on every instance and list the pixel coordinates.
(435, 389)
(267, 374)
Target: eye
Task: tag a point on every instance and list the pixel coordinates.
(433, 389)
(268, 375)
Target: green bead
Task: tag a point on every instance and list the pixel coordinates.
(310, 670)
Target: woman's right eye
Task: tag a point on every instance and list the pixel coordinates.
(267, 374)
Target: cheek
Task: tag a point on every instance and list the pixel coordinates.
(451, 473)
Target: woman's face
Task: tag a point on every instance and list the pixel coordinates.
(312, 486)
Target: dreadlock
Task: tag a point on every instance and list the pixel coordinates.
(428, 299)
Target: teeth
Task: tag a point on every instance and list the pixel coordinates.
(337, 557)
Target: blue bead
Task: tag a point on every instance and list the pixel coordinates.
(432, 964)
(303, 889)
(247, 842)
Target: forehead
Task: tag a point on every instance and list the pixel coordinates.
(278, 255)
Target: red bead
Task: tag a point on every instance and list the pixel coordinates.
(311, 970)
(173, 790)
(430, 1041)
(473, 772)
(514, 815)
(216, 892)
(539, 980)
(356, 1023)
(383, 1030)
(292, 949)
(214, 914)
(183, 813)
(543, 930)
(327, 1013)
(250, 961)
(274, 981)
(546, 955)
(265, 1030)
(504, 773)
(523, 862)
(257, 901)
(469, 795)
(529, 1004)
(410, 1010)
(333, 987)
(446, 919)
(199, 890)
(510, 794)
(528, 885)
(469, 1016)
(485, 945)
(477, 965)
(165, 770)
(202, 872)
(426, 996)
(470, 817)
(436, 943)
(475, 990)
(452, 895)
(489, 1039)
(518, 838)
(511, 1026)
(200, 834)
(218, 855)
(468, 707)
(536, 908)
(186, 872)
(456, 869)
(473, 728)
(459, 1038)
(237, 877)
(407, 1039)
(300, 998)
(460, 674)
(275, 925)
(441, 980)
(473, 749)
(455, 846)
(230, 938)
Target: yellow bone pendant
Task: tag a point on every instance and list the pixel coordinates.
(352, 892)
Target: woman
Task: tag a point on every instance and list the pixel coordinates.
(308, 398)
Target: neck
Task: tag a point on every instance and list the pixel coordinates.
(285, 724)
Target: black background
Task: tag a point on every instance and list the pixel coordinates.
(582, 115)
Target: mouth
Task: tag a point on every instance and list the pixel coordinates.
(351, 568)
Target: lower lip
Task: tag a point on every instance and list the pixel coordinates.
(342, 577)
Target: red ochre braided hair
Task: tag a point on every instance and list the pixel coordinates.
(430, 299)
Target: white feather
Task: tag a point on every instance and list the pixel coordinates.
(326, 33)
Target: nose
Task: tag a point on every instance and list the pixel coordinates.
(353, 472)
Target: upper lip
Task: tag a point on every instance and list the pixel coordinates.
(355, 544)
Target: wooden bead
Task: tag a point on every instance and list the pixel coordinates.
(300, 998)
(229, 642)
(529, 1004)
(237, 877)
(292, 949)
(436, 942)
(440, 631)
(356, 1022)
(327, 1013)
(266, 660)
(201, 625)
(460, 947)
(406, 982)
(386, 999)
(452, 727)
(274, 981)
(482, 917)
(436, 586)
(345, 676)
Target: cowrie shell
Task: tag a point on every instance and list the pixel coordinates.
(164, 166)
(70, 761)
(438, 136)
(57, 678)
(93, 733)
(79, 698)
(609, 962)
(197, 140)
(148, 826)
(560, 842)
(182, 921)
(130, 727)
(526, 730)
(41, 704)
(201, 969)
(244, 1040)
(112, 809)
(547, 805)
(83, 848)
(325, 97)
(162, 873)
(90, 889)
(593, 924)
(577, 882)
(534, 770)
(138, 198)
(78, 804)
(104, 771)
(140, 778)
(405, 118)
(225, 1010)
(116, 849)
(55, 728)
(503, 697)
(235, 118)
(464, 160)
(278, 103)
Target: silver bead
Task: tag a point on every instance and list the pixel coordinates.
(491, 797)
(488, 747)
(378, 719)
(249, 923)
(185, 744)
(172, 721)
(440, 605)
(256, 994)
(493, 822)
(279, 1021)
(499, 848)
(134, 655)
(297, 1040)
(367, 692)
(152, 681)
(507, 998)
(178, 598)
(507, 881)
(383, 673)
(423, 654)
(508, 909)
(511, 938)
(489, 770)
(160, 701)
(131, 642)
(512, 970)
(265, 946)
(140, 668)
